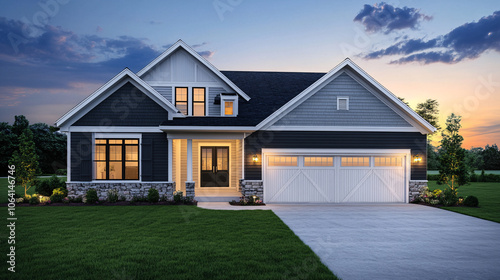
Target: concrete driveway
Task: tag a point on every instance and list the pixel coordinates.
(401, 241)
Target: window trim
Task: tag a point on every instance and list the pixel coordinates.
(118, 136)
(228, 98)
(338, 103)
(187, 99)
(193, 101)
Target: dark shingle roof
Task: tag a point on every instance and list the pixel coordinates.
(268, 91)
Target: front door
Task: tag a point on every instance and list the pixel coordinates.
(214, 166)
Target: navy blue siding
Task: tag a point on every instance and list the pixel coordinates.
(128, 106)
(334, 140)
(154, 157)
(81, 156)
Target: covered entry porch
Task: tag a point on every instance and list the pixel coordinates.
(210, 164)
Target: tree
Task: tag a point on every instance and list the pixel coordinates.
(26, 161)
(404, 101)
(7, 146)
(429, 111)
(50, 147)
(491, 157)
(432, 157)
(453, 170)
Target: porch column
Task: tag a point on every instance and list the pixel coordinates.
(170, 160)
(189, 160)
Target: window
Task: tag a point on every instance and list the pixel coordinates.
(282, 161)
(181, 99)
(228, 108)
(116, 159)
(355, 161)
(198, 101)
(387, 161)
(318, 161)
(343, 103)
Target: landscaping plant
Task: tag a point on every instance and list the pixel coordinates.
(91, 196)
(153, 195)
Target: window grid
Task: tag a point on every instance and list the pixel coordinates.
(116, 159)
(228, 108)
(318, 161)
(181, 99)
(355, 161)
(198, 101)
(387, 161)
(282, 161)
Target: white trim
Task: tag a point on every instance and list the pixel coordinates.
(114, 129)
(338, 103)
(230, 168)
(181, 44)
(336, 152)
(243, 157)
(170, 159)
(121, 78)
(208, 128)
(118, 135)
(343, 128)
(68, 156)
(278, 114)
(206, 135)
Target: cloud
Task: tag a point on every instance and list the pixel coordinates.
(482, 130)
(467, 41)
(385, 18)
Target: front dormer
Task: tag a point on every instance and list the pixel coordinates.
(193, 85)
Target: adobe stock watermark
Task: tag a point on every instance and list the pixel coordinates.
(483, 91)
(48, 10)
(223, 6)
(11, 219)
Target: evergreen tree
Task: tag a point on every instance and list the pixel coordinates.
(26, 161)
(453, 170)
(429, 111)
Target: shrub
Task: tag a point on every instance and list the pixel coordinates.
(77, 199)
(473, 177)
(178, 197)
(60, 191)
(153, 195)
(137, 198)
(91, 196)
(45, 187)
(112, 196)
(449, 197)
(61, 172)
(34, 200)
(56, 198)
(122, 198)
(471, 201)
(433, 177)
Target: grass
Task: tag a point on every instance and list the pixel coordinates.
(156, 242)
(19, 189)
(488, 195)
(478, 172)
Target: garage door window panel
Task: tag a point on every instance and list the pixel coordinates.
(318, 161)
(387, 161)
(282, 161)
(355, 161)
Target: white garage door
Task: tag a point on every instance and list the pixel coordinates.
(290, 177)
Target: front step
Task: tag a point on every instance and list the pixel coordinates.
(216, 198)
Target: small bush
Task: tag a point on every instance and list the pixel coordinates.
(449, 197)
(46, 187)
(112, 196)
(34, 200)
(91, 196)
(60, 191)
(178, 197)
(471, 201)
(77, 199)
(137, 198)
(57, 198)
(153, 195)
(433, 177)
(122, 198)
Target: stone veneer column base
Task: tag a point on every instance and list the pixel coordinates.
(416, 188)
(127, 190)
(190, 189)
(252, 187)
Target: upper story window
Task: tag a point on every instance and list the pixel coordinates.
(198, 101)
(181, 99)
(343, 103)
(116, 159)
(229, 105)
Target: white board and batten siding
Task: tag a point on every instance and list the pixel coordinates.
(180, 69)
(335, 182)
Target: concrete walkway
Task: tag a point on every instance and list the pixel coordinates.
(401, 241)
(227, 206)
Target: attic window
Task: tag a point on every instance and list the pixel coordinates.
(343, 103)
(229, 105)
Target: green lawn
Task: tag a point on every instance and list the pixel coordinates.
(488, 195)
(156, 242)
(19, 190)
(478, 172)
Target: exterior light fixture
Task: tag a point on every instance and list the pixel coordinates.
(255, 158)
(417, 158)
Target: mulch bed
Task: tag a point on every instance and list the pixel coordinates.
(239, 204)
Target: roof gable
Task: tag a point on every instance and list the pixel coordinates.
(107, 89)
(157, 69)
(364, 79)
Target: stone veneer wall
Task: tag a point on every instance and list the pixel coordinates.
(128, 190)
(252, 187)
(416, 188)
(190, 189)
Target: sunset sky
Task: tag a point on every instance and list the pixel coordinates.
(55, 53)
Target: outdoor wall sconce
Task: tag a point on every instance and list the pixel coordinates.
(417, 158)
(255, 158)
